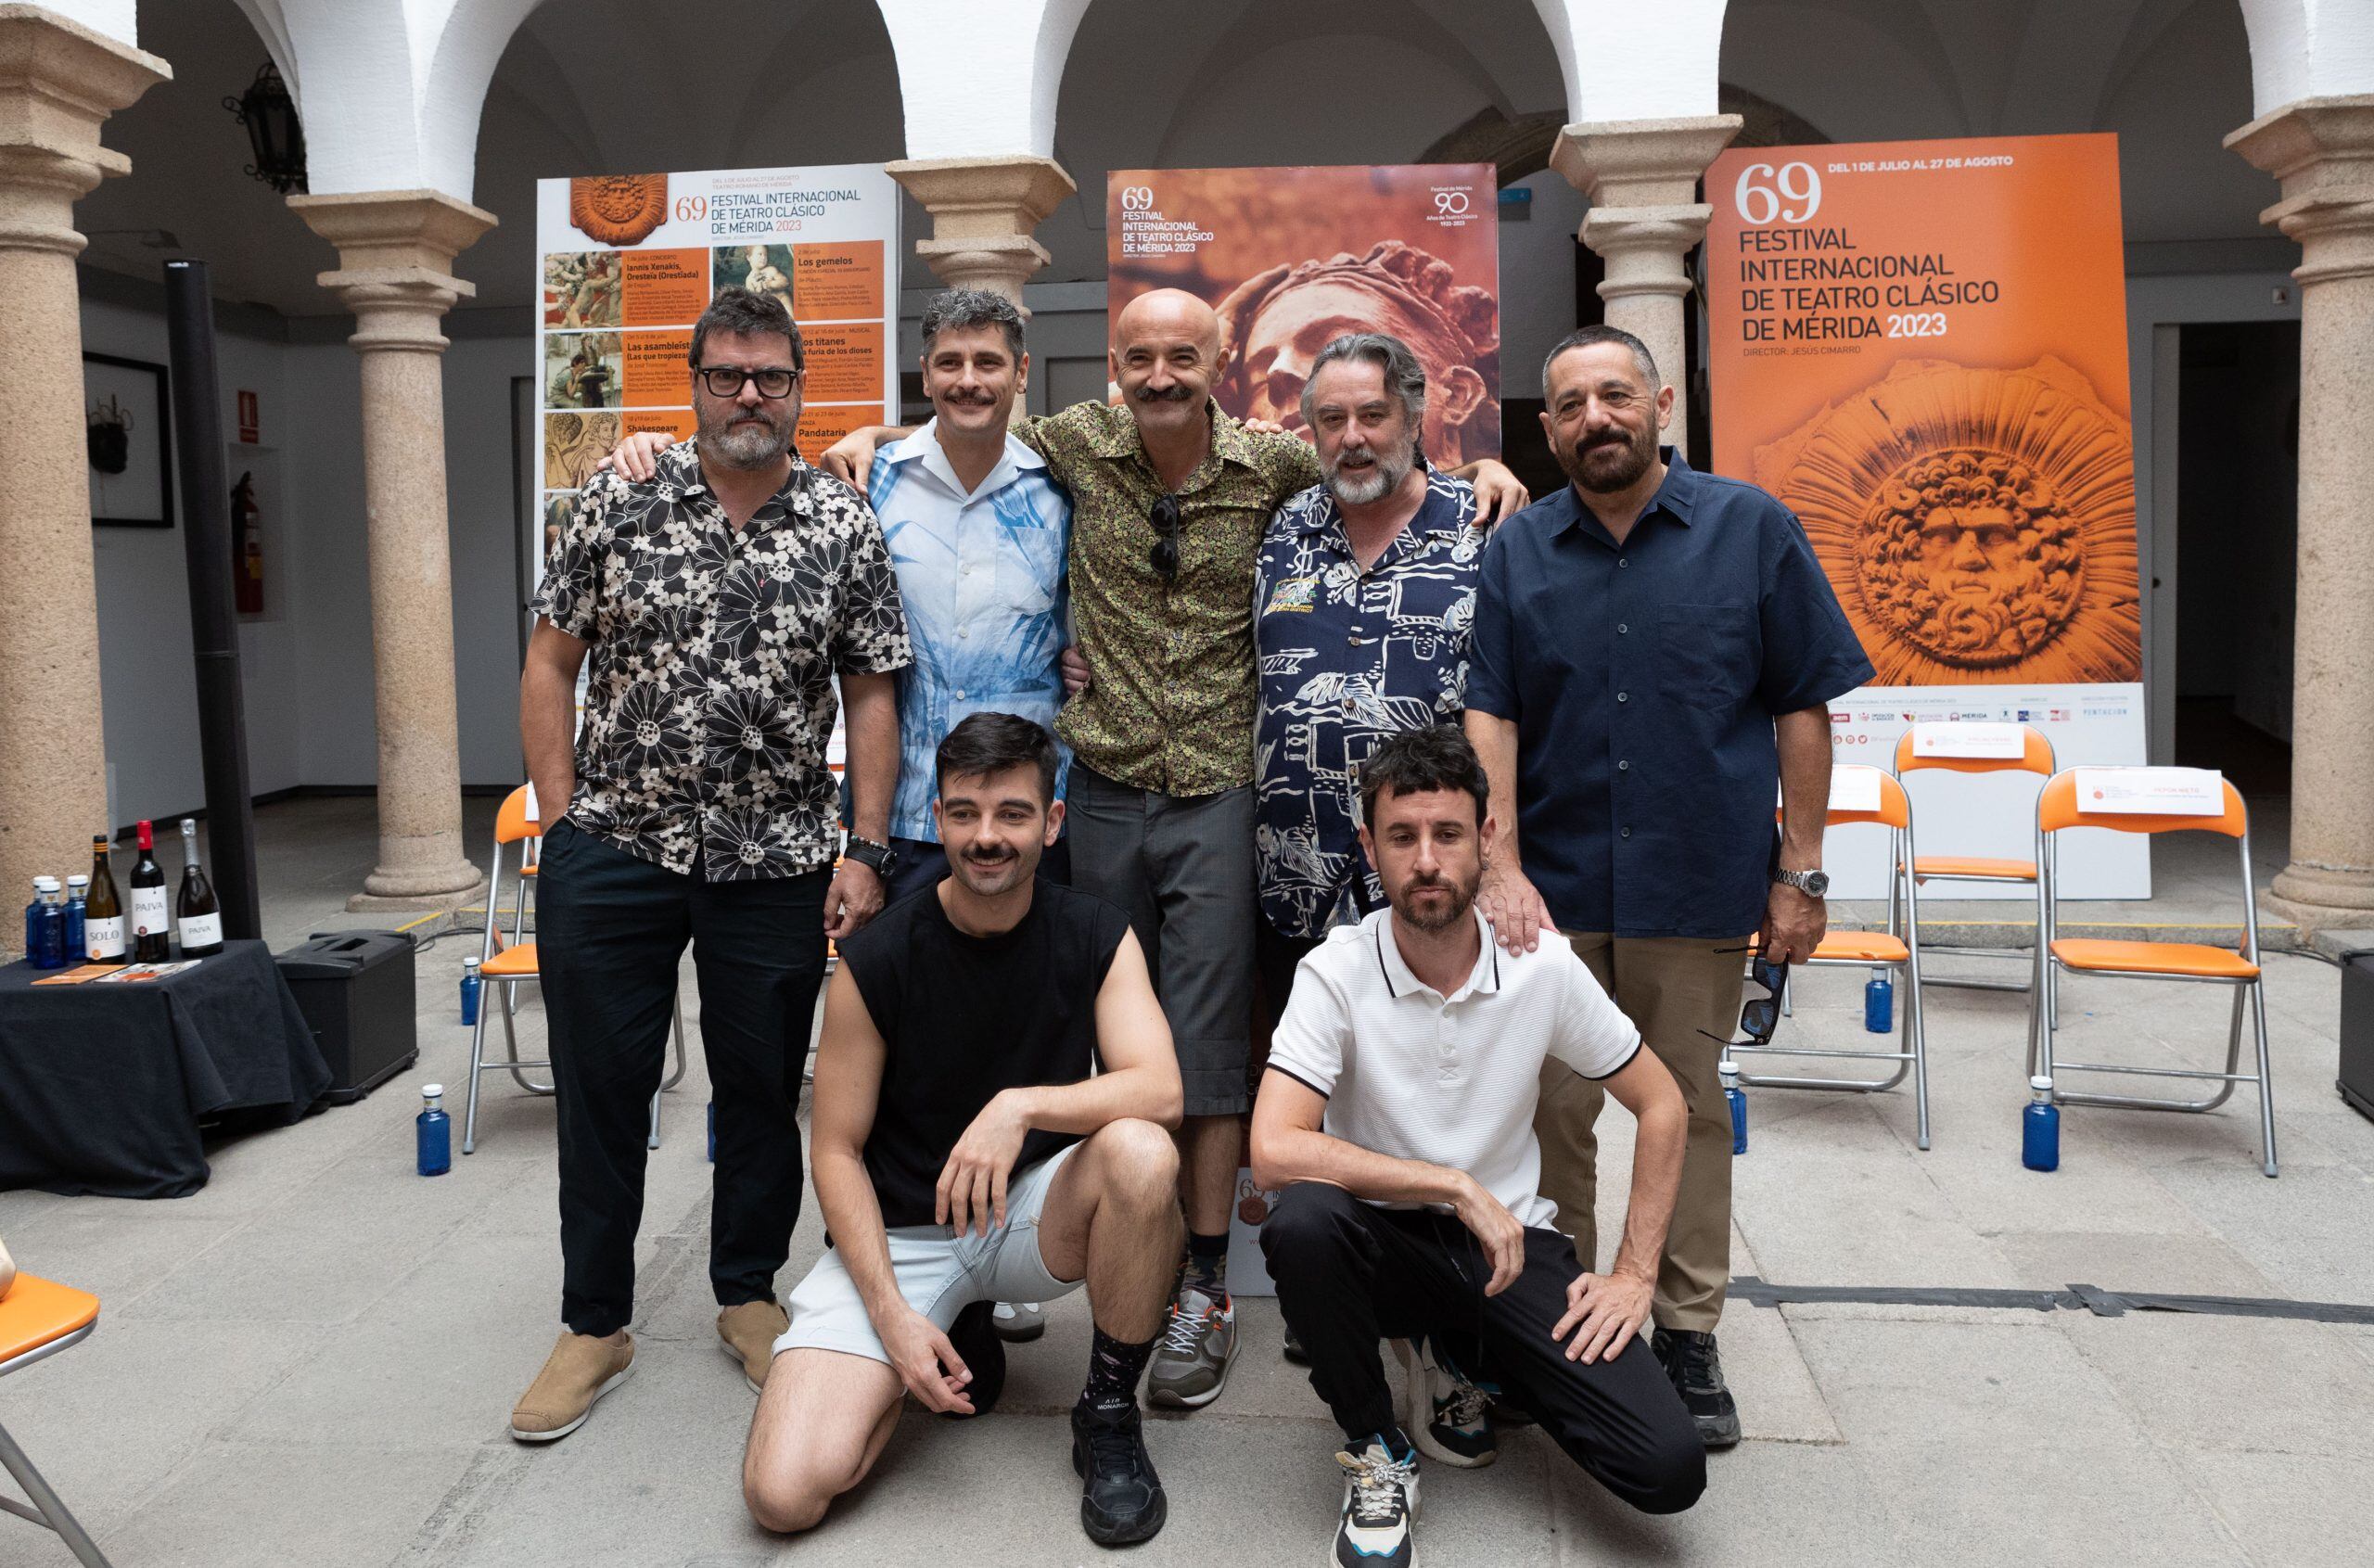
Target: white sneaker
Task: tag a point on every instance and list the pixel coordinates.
(1018, 1323)
(1380, 1505)
(1446, 1415)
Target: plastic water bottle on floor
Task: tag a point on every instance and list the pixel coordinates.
(2040, 1127)
(433, 1130)
(1729, 1071)
(1879, 1003)
(470, 987)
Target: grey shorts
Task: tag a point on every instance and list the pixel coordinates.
(939, 1274)
(1181, 867)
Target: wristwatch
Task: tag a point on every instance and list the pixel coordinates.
(1812, 883)
(883, 859)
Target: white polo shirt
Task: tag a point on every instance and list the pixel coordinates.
(1448, 1079)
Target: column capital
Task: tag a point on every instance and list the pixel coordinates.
(982, 212)
(58, 82)
(396, 251)
(1641, 162)
(2322, 152)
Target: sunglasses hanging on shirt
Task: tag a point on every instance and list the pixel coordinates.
(1163, 557)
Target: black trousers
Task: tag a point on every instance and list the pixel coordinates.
(1349, 1274)
(610, 931)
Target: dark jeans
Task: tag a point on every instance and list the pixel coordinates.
(1275, 958)
(924, 865)
(610, 931)
(1348, 1274)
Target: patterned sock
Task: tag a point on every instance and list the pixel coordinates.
(1207, 1263)
(1114, 1368)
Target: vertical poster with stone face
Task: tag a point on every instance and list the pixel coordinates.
(1295, 258)
(1921, 347)
(626, 264)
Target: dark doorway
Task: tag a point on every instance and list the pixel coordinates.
(2237, 545)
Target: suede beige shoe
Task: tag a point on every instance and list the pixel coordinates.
(747, 1332)
(579, 1370)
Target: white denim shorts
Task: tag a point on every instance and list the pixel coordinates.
(939, 1272)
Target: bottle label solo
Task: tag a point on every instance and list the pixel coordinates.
(149, 912)
(103, 939)
(200, 931)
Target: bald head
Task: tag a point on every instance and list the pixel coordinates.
(1166, 355)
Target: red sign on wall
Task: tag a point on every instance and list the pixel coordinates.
(250, 418)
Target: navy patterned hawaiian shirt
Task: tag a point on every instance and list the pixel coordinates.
(1347, 658)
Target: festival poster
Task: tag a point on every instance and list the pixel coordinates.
(1921, 347)
(626, 264)
(1295, 258)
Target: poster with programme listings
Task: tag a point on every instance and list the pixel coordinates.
(1293, 258)
(626, 264)
(1921, 347)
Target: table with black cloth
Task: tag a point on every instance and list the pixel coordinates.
(103, 1084)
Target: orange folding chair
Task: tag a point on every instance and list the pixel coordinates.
(2059, 810)
(501, 973)
(1897, 948)
(2036, 759)
(38, 1319)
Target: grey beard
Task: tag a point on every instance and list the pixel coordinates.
(1378, 483)
(744, 446)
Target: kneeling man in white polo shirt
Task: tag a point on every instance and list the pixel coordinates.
(1397, 1115)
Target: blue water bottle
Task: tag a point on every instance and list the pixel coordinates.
(2040, 1127)
(433, 1130)
(33, 921)
(470, 987)
(46, 943)
(1729, 1071)
(712, 1132)
(78, 893)
(1879, 1003)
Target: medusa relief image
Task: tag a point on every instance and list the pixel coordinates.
(1978, 525)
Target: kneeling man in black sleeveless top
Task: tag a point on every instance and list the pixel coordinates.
(992, 1094)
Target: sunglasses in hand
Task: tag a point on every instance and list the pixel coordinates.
(1760, 1015)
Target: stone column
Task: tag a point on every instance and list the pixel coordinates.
(2322, 152)
(1641, 177)
(983, 210)
(396, 251)
(58, 82)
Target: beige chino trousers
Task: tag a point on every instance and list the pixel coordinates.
(1671, 988)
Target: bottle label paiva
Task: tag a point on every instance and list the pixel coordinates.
(103, 939)
(149, 912)
(202, 931)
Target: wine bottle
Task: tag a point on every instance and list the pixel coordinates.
(103, 912)
(198, 911)
(151, 911)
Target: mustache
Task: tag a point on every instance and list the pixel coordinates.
(967, 398)
(1174, 393)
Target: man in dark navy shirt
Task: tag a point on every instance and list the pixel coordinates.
(1654, 650)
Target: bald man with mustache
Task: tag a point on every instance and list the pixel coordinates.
(1169, 498)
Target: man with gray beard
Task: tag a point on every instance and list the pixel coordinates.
(1364, 593)
(720, 600)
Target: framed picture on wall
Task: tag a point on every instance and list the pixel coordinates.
(130, 443)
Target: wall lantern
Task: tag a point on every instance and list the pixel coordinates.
(269, 115)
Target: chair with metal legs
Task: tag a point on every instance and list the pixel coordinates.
(2059, 809)
(1897, 948)
(2035, 759)
(38, 1319)
(500, 973)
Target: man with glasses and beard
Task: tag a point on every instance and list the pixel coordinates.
(1169, 498)
(1398, 1115)
(1655, 651)
(720, 600)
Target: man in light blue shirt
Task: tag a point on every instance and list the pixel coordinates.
(977, 529)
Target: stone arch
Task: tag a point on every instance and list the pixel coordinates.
(2308, 49)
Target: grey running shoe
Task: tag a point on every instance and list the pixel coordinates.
(1380, 1505)
(1018, 1323)
(1446, 1415)
(1192, 1362)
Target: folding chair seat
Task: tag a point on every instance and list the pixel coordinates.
(1896, 947)
(40, 1319)
(2059, 810)
(503, 972)
(2036, 760)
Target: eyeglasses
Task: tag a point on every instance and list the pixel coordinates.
(1760, 1015)
(1163, 557)
(726, 380)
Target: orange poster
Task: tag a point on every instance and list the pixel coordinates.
(665, 288)
(658, 367)
(820, 428)
(843, 361)
(1921, 347)
(837, 282)
(677, 422)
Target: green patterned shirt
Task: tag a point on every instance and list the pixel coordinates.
(1171, 700)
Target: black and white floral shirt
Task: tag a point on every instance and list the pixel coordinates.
(710, 701)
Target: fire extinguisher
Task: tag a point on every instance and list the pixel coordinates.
(246, 539)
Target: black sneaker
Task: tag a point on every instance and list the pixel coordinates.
(974, 1338)
(1380, 1505)
(1295, 1352)
(1696, 1369)
(1122, 1502)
